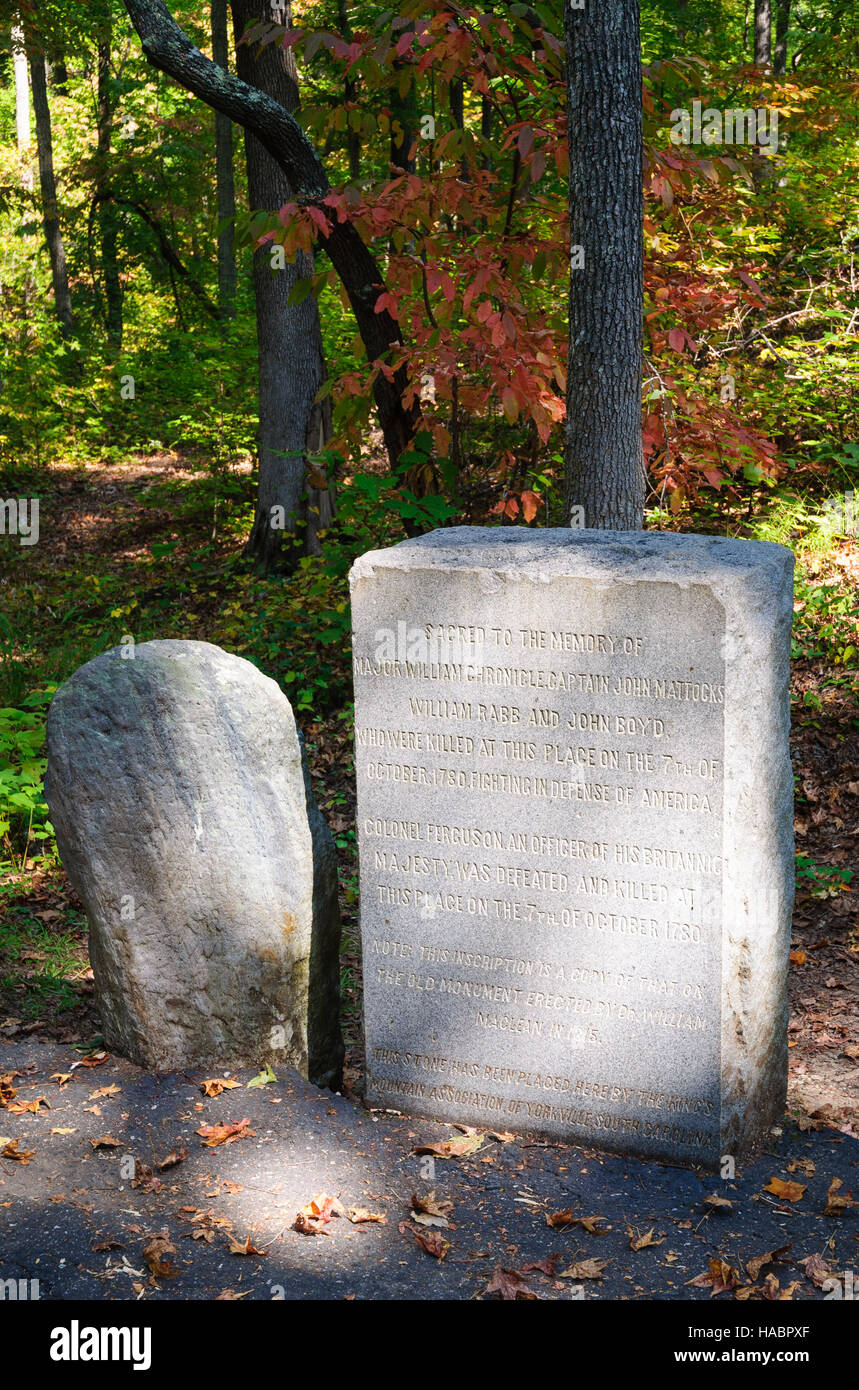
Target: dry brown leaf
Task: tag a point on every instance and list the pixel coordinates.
(94, 1059)
(755, 1265)
(428, 1211)
(103, 1091)
(719, 1278)
(359, 1216)
(586, 1269)
(158, 1254)
(214, 1135)
(714, 1200)
(642, 1242)
(806, 1166)
(816, 1269)
(510, 1285)
(175, 1156)
(786, 1191)
(217, 1085)
(836, 1205)
(453, 1148)
(106, 1141)
(10, 1150)
(236, 1248)
(433, 1242)
(28, 1107)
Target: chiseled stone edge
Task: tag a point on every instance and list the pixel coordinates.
(753, 581)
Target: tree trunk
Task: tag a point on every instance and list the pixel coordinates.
(22, 89)
(168, 49)
(59, 76)
(289, 336)
(763, 27)
(782, 25)
(224, 174)
(50, 214)
(604, 469)
(107, 218)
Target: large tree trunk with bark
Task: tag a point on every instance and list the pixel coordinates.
(107, 215)
(289, 336)
(604, 470)
(225, 181)
(50, 213)
(168, 49)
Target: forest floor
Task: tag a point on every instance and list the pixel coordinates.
(102, 525)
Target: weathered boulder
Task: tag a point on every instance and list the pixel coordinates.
(179, 790)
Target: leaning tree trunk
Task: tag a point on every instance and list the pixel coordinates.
(50, 213)
(224, 174)
(289, 337)
(168, 49)
(107, 218)
(604, 469)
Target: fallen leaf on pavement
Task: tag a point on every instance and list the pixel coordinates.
(453, 1148)
(113, 1090)
(637, 1241)
(158, 1254)
(217, 1085)
(719, 1278)
(806, 1166)
(428, 1211)
(28, 1107)
(175, 1156)
(787, 1191)
(816, 1269)
(236, 1248)
(585, 1269)
(360, 1216)
(714, 1200)
(10, 1150)
(510, 1285)
(213, 1135)
(755, 1265)
(263, 1078)
(106, 1141)
(836, 1205)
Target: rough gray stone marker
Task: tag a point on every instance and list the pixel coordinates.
(179, 791)
(576, 834)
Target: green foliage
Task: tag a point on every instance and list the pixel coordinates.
(23, 810)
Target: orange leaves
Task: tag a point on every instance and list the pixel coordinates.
(10, 1150)
(718, 1278)
(215, 1135)
(315, 1216)
(786, 1191)
(216, 1086)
